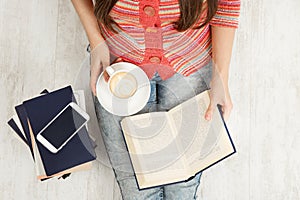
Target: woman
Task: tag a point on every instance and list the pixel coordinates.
(184, 47)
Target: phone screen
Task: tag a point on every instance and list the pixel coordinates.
(63, 127)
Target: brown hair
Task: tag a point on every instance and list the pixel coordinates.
(190, 13)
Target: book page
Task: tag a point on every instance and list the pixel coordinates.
(216, 146)
(192, 128)
(200, 139)
(18, 123)
(80, 99)
(153, 150)
(39, 167)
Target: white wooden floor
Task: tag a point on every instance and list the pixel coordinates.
(42, 45)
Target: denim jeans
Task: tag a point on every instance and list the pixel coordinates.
(165, 94)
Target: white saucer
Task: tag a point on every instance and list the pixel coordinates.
(131, 105)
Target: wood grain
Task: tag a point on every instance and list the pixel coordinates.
(42, 45)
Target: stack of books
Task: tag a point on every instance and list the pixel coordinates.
(33, 115)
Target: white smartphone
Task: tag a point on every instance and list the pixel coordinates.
(63, 127)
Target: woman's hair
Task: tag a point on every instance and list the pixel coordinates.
(190, 13)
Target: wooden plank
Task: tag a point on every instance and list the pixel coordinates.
(28, 42)
(42, 45)
(70, 46)
(274, 142)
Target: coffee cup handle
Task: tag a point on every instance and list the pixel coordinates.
(109, 70)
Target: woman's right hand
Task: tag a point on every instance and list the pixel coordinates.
(100, 59)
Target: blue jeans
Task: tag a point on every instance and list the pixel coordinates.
(165, 94)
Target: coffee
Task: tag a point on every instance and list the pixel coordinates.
(122, 84)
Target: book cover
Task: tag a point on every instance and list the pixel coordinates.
(22, 119)
(13, 124)
(22, 115)
(40, 110)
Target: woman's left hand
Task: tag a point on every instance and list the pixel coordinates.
(219, 94)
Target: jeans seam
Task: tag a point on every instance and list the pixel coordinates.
(161, 193)
(197, 186)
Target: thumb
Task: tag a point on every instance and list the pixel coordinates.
(209, 111)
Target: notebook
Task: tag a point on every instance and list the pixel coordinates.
(79, 150)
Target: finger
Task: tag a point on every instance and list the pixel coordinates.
(119, 59)
(209, 111)
(226, 109)
(105, 75)
(105, 63)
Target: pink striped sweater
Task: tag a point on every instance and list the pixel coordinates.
(147, 37)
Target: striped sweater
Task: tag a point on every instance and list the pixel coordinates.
(147, 37)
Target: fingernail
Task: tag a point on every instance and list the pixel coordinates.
(207, 117)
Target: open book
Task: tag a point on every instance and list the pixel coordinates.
(172, 146)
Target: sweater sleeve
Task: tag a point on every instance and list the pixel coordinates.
(227, 14)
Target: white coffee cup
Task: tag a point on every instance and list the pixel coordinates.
(121, 83)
